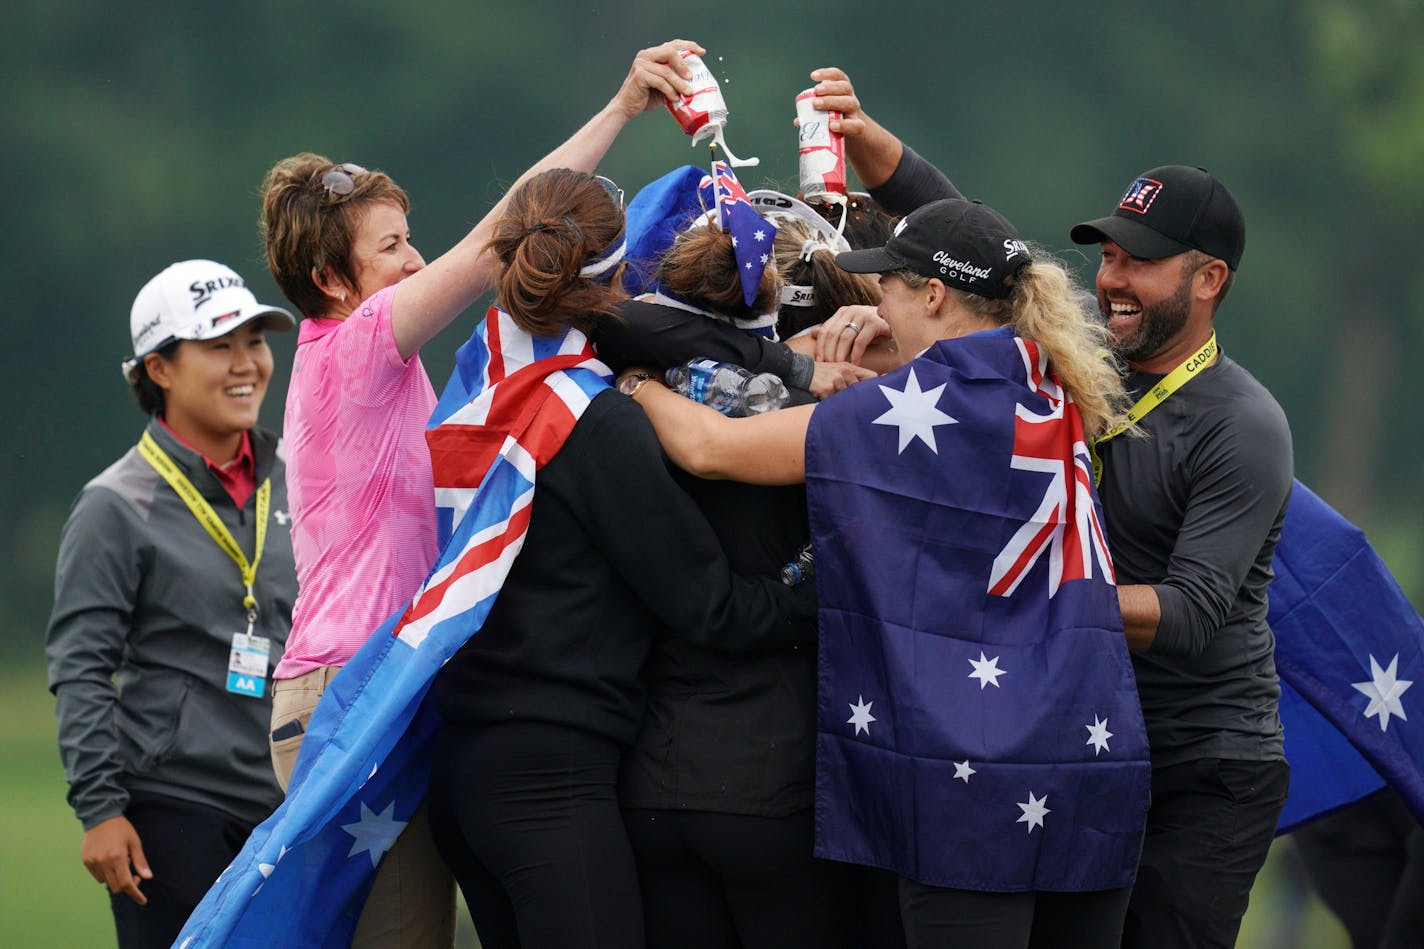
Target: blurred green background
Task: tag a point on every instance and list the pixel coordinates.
(136, 134)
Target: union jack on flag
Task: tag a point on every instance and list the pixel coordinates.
(751, 233)
(1065, 526)
(303, 876)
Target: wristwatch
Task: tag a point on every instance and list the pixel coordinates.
(630, 383)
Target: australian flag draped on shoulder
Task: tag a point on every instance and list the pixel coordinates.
(1349, 649)
(978, 718)
(303, 875)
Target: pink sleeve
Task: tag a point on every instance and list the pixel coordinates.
(365, 352)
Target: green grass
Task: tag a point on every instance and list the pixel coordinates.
(1284, 912)
(48, 899)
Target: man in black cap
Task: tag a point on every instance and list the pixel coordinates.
(1193, 513)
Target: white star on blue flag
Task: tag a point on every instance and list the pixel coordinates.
(986, 670)
(1098, 735)
(860, 715)
(375, 833)
(1033, 811)
(914, 413)
(1384, 690)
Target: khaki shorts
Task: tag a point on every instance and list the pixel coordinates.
(412, 903)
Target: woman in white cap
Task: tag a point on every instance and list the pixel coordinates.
(173, 597)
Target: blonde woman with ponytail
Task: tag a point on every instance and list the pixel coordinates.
(954, 524)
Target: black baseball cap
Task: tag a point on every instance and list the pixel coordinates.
(1171, 210)
(966, 244)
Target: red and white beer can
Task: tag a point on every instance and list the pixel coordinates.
(823, 162)
(702, 111)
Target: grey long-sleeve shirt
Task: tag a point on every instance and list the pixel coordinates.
(146, 605)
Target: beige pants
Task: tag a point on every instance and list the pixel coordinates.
(412, 903)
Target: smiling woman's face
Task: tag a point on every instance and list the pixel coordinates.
(213, 389)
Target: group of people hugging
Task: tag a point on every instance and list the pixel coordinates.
(646, 742)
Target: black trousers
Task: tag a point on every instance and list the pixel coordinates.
(187, 845)
(526, 815)
(941, 918)
(1209, 827)
(1367, 863)
(733, 881)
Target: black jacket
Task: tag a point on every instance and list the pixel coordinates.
(615, 552)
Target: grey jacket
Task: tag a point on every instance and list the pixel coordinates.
(145, 608)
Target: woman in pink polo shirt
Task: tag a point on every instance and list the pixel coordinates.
(359, 474)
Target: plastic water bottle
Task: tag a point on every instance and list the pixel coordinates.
(801, 568)
(729, 389)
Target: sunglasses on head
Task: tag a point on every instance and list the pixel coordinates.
(340, 179)
(614, 192)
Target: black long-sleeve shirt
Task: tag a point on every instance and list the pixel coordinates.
(615, 552)
(1195, 509)
(665, 336)
(914, 183)
(731, 733)
(728, 733)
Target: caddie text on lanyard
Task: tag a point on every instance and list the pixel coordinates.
(1155, 396)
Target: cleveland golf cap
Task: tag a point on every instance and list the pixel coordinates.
(195, 300)
(967, 245)
(1171, 210)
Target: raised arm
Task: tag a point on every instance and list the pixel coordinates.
(895, 175)
(763, 449)
(428, 301)
(872, 150)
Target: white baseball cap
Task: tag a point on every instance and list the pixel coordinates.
(196, 300)
(773, 204)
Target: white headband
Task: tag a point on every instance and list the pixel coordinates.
(604, 264)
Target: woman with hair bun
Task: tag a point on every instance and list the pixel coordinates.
(364, 533)
(690, 303)
(717, 793)
(541, 703)
(817, 287)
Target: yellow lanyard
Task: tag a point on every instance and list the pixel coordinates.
(1155, 396)
(206, 516)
